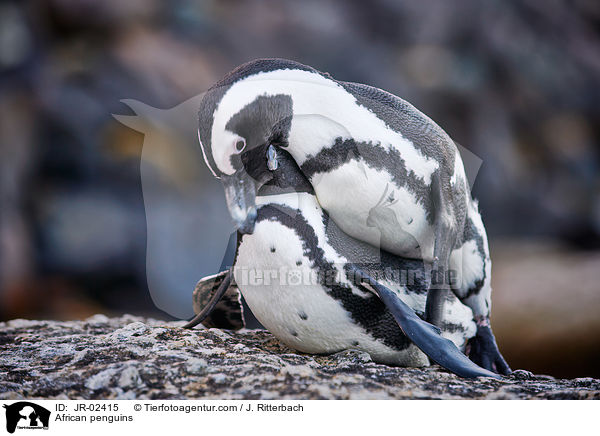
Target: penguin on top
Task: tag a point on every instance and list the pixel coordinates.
(354, 143)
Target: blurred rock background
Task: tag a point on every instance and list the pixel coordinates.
(515, 82)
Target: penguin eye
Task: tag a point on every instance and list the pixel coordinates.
(240, 145)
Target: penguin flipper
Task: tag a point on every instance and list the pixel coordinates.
(424, 335)
(218, 303)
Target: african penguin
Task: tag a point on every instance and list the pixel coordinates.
(385, 173)
(291, 273)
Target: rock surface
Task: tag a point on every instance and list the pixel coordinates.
(131, 357)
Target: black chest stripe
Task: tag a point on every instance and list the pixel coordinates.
(376, 157)
(370, 313)
(471, 233)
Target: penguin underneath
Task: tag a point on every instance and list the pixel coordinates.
(356, 144)
(295, 273)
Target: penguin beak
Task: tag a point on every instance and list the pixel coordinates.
(240, 193)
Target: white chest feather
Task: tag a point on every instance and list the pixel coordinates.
(352, 195)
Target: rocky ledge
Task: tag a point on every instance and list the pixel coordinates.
(131, 357)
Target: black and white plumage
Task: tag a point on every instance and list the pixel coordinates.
(353, 143)
(294, 272)
(304, 296)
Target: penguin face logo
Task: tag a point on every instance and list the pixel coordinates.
(25, 414)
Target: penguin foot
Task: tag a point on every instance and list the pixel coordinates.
(213, 298)
(483, 350)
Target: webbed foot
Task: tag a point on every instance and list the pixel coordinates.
(483, 349)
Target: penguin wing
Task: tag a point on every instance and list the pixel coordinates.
(424, 335)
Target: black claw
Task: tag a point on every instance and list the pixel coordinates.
(484, 351)
(502, 366)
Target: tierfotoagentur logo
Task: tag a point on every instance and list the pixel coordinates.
(290, 276)
(26, 416)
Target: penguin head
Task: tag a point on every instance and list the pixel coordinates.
(243, 153)
(240, 126)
